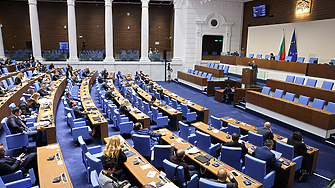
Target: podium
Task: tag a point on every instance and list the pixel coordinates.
(249, 76)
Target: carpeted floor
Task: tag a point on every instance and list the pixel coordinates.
(76, 169)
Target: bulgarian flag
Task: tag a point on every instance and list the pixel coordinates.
(282, 48)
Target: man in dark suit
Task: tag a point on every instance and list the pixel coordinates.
(105, 74)
(86, 72)
(78, 113)
(55, 76)
(24, 106)
(100, 80)
(16, 125)
(119, 75)
(20, 66)
(138, 129)
(43, 90)
(254, 67)
(151, 88)
(266, 131)
(234, 143)
(105, 86)
(226, 91)
(69, 97)
(297, 142)
(51, 66)
(74, 81)
(10, 165)
(225, 179)
(109, 94)
(266, 155)
(189, 170)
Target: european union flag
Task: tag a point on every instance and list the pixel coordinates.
(293, 49)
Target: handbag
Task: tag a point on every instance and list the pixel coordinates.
(175, 180)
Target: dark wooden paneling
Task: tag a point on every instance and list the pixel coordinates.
(14, 17)
(198, 80)
(278, 12)
(321, 71)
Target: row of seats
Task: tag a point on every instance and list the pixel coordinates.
(199, 73)
(309, 82)
(288, 58)
(317, 103)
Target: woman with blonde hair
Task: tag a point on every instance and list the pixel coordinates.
(35, 104)
(125, 107)
(113, 151)
(18, 79)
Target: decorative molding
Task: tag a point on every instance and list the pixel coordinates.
(70, 2)
(145, 3)
(178, 3)
(214, 5)
(32, 2)
(108, 2)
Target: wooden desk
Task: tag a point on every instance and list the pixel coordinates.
(210, 167)
(135, 112)
(298, 89)
(48, 170)
(312, 154)
(313, 116)
(221, 84)
(240, 93)
(215, 72)
(14, 95)
(195, 79)
(11, 68)
(174, 115)
(321, 70)
(222, 136)
(136, 170)
(59, 87)
(267, 64)
(87, 102)
(210, 57)
(202, 112)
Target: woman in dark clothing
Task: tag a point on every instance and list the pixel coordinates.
(125, 107)
(113, 150)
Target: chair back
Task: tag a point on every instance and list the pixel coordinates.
(279, 93)
(277, 57)
(327, 85)
(184, 109)
(266, 90)
(205, 74)
(146, 107)
(196, 72)
(167, 99)
(205, 183)
(216, 66)
(289, 96)
(161, 152)
(300, 59)
(318, 103)
(251, 55)
(288, 58)
(22, 99)
(221, 67)
(303, 100)
(83, 145)
(212, 65)
(184, 130)
(259, 56)
(311, 82)
(290, 78)
(142, 144)
(4, 125)
(154, 113)
(216, 122)
(312, 59)
(174, 103)
(203, 141)
(231, 156)
(255, 139)
(331, 107)
(169, 169)
(11, 106)
(4, 83)
(252, 163)
(93, 162)
(286, 150)
(209, 77)
(189, 70)
(299, 80)
(226, 69)
(208, 64)
(94, 179)
(267, 57)
(233, 129)
(192, 71)
(10, 81)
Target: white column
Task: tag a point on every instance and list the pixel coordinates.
(109, 31)
(2, 50)
(72, 31)
(227, 38)
(177, 36)
(35, 29)
(145, 31)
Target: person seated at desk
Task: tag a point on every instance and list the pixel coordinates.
(9, 165)
(51, 66)
(78, 112)
(125, 107)
(266, 131)
(56, 76)
(152, 102)
(43, 90)
(86, 72)
(35, 104)
(8, 62)
(130, 89)
(105, 179)
(36, 71)
(123, 81)
(266, 155)
(151, 88)
(20, 66)
(105, 74)
(226, 91)
(104, 86)
(178, 159)
(77, 77)
(225, 179)
(47, 83)
(297, 142)
(119, 75)
(38, 63)
(68, 72)
(234, 143)
(31, 57)
(137, 77)
(272, 57)
(113, 151)
(18, 79)
(100, 80)
(44, 69)
(154, 137)
(16, 125)
(69, 97)
(74, 81)
(109, 95)
(3, 90)
(24, 106)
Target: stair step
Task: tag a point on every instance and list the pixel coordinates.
(240, 106)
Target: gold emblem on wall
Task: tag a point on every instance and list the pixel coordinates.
(303, 6)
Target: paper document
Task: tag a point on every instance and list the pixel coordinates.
(151, 174)
(196, 124)
(169, 185)
(215, 131)
(143, 167)
(54, 146)
(277, 154)
(59, 162)
(192, 150)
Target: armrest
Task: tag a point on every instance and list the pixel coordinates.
(94, 149)
(269, 179)
(79, 119)
(81, 131)
(26, 182)
(213, 148)
(192, 138)
(193, 181)
(12, 177)
(297, 160)
(125, 119)
(15, 141)
(79, 124)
